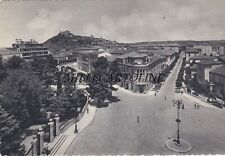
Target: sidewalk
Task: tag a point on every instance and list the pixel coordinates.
(61, 143)
(197, 100)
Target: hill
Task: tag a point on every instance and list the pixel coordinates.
(66, 41)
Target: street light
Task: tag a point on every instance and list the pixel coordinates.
(179, 105)
(177, 144)
(77, 112)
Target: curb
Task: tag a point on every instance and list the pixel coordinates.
(208, 106)
(178, 150)
(79, 133)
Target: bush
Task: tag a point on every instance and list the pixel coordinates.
(179, 84)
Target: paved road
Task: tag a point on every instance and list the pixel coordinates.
(115, 129)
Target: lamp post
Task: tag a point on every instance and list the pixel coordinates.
(179, 105)
(178, 144)
(75, 125)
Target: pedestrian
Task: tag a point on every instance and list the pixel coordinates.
(87, 110)
(137, 118)
(155, 93)
(182, 106)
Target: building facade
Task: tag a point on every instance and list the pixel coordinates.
(211, 49)
(24, 49)
(65, 57)
(191, 52)
(86, 59)
(30, 49)
(203, 69)
(139, 64)
(217, 78)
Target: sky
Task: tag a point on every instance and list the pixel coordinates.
(119, 20)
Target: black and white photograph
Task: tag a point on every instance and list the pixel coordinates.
(112, 77)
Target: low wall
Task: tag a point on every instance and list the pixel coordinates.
(71, 121)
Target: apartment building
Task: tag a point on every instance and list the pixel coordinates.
(203, 69)
(192, 64)
(211, 49)
(136, 63)
(65, 57)
(217, 78)
(86, 59)
(190, 52)
(30, 49)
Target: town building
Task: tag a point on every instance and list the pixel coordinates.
(191, 66)
(190, 52)
(169, 55)
(217, 78)
(24, 49)
(65, 57)
(211, 49)
(30, 49)
(203, 69)
(86, 59)
(118, 52)
(152, 46)
(136, 63)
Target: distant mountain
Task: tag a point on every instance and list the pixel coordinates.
(66, 41)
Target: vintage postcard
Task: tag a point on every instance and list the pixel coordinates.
(112, 77)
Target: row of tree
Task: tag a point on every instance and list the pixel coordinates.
(180, 78)
(26, 93)
(101, 91)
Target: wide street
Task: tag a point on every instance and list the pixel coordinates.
(115, 129)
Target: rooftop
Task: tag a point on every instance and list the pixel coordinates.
(194, 67)
(164, 52)
(64, 54)
(209, 44)
(191, 50)
(95, 52)
(202, 57)
(133, 55)
(110, 58)
(219, 71)
(209, 62)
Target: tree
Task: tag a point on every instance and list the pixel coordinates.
(15, 62)
(2, 70)
(21, 90)
(45, 69)
(100, 90)
(114, 70)
(8, 127)
(59, 104)
(65, 105)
